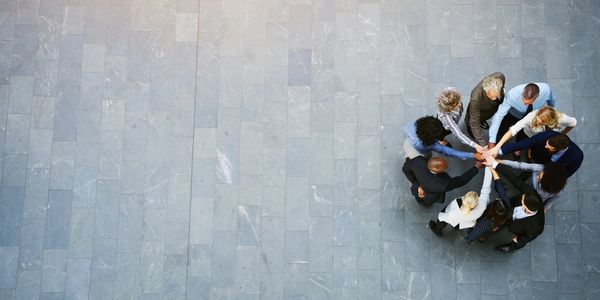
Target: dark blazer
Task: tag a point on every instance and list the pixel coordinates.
(481, 108)
(571, 159)
(526, 229)
(435, 185)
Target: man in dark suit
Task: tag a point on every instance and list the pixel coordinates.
(550, 146)
(526, 211)
(429, 179)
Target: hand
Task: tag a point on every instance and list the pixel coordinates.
(479, 164)
(421, 192)
(479, 149)
(478, 156)
(491, 145)
(489, 159)
(493, 151)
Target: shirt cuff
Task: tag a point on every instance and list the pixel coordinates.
(494, 165)
(500, 152)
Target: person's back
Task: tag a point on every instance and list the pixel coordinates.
(429, 178)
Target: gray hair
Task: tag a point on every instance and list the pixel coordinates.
(492, 84)
(448, 99)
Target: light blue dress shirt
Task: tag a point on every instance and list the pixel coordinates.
(513, 104)
(411, 133)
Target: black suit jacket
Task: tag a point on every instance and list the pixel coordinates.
(435, 185)
(526, 229)
(571, 159)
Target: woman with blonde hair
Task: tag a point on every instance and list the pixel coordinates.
(545, 118)
(463, 212)
(450, 111)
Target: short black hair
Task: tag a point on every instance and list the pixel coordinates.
(555, 178)
(560, 141)
(531, 91)
(533, 201)
(429, 129)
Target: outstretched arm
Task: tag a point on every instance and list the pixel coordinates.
(499, 187)
(439, 148)
(497, 119)
(458, 181)
(447, 120)
(522, 165)
(527, 143)
(508, 173)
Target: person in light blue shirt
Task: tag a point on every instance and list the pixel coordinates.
(423, 136)
(519, 101)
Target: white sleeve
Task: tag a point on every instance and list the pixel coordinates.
(567, 121)
(525, 122)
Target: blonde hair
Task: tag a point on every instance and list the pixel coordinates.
(548, 115)
(448, 99)
(469, 202)
(492, 83)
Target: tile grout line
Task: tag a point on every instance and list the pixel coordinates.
(189, 244)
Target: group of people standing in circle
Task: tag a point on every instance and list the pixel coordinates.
(538, 163)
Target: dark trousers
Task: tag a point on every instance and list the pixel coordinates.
(507, 122)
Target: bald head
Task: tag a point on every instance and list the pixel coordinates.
(437, 165)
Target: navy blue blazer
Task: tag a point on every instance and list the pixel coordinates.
(571, 159)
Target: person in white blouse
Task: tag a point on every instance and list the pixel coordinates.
(450, 111)
(545, 118)
(464, 212)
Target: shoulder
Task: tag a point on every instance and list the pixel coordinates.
(544, 135)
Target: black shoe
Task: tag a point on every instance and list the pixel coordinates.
(504, 249)
(484, 125)
(434, 228)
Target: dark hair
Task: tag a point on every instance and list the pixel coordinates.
(555, 178)
(533, 201)
(560, 141)
(531, 91)
(429, 129)
(499, 207)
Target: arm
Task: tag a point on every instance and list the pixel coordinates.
(499, 187)
(497, 119)
(486, 189)
(521, 186)
(437, 147)
(494, 151)
(528, 143)
(408, 172)
(474, 117)
(458, 181)
(529, 236)
(456, 131)
(551, 99)
(550, 201)
(522, 165)
(569, 123)
(410, 175)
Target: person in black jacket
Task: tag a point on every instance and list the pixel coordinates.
(429, 180)
(549, 146)
(526, 212)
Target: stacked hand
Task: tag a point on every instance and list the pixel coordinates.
(489, 159)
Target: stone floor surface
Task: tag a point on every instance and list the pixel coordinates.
(251, 149)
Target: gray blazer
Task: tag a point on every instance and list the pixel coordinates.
(481, 108)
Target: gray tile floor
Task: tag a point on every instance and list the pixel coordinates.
(251, 149)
